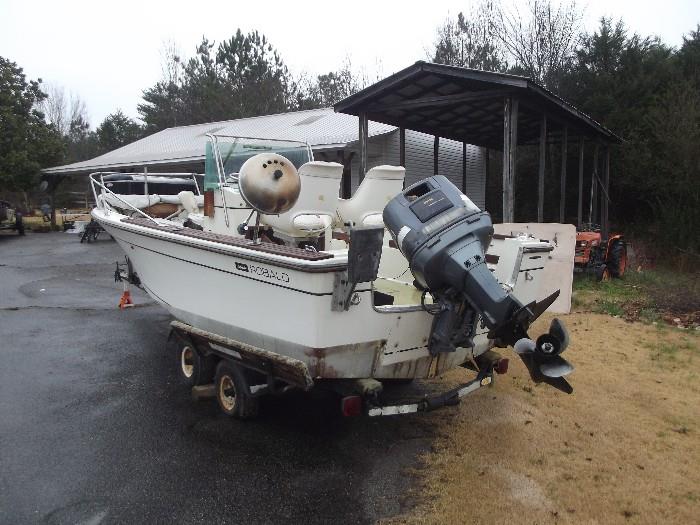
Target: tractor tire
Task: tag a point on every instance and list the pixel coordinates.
(617, 259)
(602, 273)
(232, 392)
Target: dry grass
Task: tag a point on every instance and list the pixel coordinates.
(624, 448)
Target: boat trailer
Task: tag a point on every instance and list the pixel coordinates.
(200, 353)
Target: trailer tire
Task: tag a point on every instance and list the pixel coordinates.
(617, 259)
(232, 393)
(194, 368)
(19, 224)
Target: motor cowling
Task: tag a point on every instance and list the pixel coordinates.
(444, 236)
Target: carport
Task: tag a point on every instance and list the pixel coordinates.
(491, 110)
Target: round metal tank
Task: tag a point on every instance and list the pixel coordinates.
(269, 183)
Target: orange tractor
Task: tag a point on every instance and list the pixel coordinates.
(607, 258)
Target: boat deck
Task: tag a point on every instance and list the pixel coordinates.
(230, 240)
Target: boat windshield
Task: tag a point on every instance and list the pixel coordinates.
(234, 151)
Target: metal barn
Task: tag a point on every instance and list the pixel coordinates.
(332, 136)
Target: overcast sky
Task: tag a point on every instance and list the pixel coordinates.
(108, 52)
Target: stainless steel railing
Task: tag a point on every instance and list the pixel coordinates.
(104, 190)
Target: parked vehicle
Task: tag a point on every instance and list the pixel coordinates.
(277, 283)
(10, 218)
(606, 258)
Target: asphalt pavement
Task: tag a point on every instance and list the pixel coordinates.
(95, 429)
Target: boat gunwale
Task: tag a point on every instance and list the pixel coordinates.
(337, 264)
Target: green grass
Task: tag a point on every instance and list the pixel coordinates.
(650, 315)
(609, 307)
(632, 286)
(647, 296)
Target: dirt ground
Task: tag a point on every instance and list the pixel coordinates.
(623, 448)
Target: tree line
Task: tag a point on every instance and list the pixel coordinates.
(240, 77)
(643, 89)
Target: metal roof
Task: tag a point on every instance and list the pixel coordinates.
(321, 128)
(467, 105)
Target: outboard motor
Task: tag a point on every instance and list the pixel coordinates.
(444, 236)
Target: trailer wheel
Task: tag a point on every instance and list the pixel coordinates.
(194, 368)
(617, 259)
(232, 392)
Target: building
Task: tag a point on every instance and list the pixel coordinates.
(332, 136)
(492, 110)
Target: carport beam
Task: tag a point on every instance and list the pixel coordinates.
(402, 147)
(363, 145)
(605, 196)
(542, 159)
(510, 144)
(436, 154)
(562, 187)
(580, 181)
(593, 208)
(464, 168)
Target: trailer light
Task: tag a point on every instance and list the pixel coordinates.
(351, 406)
(501, 366)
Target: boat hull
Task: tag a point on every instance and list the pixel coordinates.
(281, 308)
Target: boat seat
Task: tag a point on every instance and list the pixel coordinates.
(170, 199)
(315, 209)
(188, 201)
(365, 207)
(137, 201)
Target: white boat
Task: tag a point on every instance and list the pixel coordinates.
(317, 281)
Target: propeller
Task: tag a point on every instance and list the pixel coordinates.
(542, 357)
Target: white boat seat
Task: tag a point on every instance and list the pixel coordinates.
(172, 199)
(373, 219)
(312, 223)
(137, 201)
(188, 201)
(315, 209)
(365, 207)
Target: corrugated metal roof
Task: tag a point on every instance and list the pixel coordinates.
(318, 127)
(466, 105)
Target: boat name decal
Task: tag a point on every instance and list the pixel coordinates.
(263, 272)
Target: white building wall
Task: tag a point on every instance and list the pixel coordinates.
(384, 149)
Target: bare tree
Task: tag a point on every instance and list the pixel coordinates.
(63, 110)
(541, 41)
(78, 110)
(325, 90)
(470, 40)
(170, 63)
(55, 107)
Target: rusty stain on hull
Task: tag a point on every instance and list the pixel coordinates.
(318, 357)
